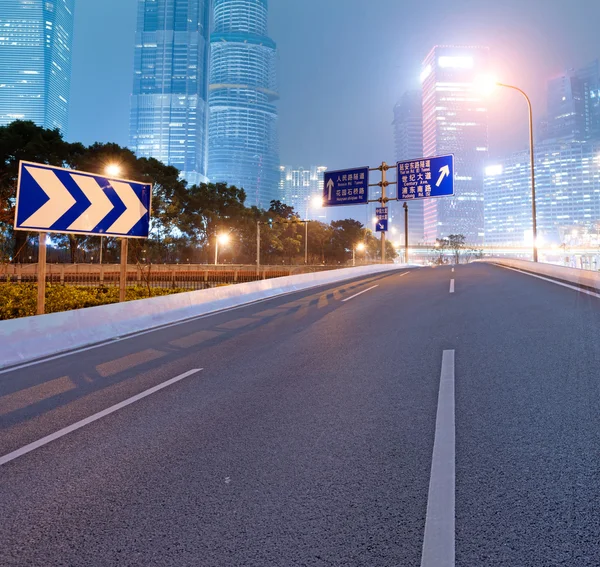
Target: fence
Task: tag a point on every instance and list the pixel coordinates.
(179, 276)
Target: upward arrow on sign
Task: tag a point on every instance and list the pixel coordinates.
(444, 172)
(330, 186)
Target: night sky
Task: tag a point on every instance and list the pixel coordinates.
(344, 63)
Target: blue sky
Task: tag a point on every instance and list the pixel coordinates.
(344, 63)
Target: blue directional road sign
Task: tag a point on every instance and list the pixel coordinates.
(53, 199)
(381, 213)
(425, 177)
(349, 187)
(382, 225)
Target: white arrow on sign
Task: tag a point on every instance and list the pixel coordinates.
(134, 211)
(330, 186)
(100, 204)
(60, 199)
(444, 172)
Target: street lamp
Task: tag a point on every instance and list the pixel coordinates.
(113, 169)
(487, 87)
(360, 247)
(222, 239)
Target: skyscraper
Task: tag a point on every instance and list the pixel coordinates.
(573, 101)
(35, 61)
(298, 186)
(243, 149)
(455, 121)
(408, 138)
(169, 106)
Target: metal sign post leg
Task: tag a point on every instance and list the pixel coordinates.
(123, 278)
(41, 275)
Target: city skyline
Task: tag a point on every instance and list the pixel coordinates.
(36, 39)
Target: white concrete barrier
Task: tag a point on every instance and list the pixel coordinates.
(583, 278)
(29, 338)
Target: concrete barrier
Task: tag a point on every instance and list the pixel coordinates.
(575, 276)
(29, 338)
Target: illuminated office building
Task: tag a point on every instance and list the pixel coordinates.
(300, 187)
(36, 38)
(243, 148)
(567, 193)
(455, 121)
(169, 106)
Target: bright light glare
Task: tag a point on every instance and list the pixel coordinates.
(456, 62)
(394, 230)
(316, 202)
(375, 220)
(360, 246)
(426, 72)
(223, 238)
(486, 84)
(113, 169)
(493, 170)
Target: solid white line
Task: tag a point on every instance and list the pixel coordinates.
(359, 293)
(573, 287)
(78, 425)
(439, 539)
(451, 286)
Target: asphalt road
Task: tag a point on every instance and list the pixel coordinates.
(312, 431)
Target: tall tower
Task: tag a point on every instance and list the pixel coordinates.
(243, 149)
(36, 38)
(455, 120)
(169, 106)
(408, 138)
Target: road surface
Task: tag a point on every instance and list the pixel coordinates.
(428, 417)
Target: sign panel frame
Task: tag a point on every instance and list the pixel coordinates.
(87, 193)
(336, 185)
(425, 178)
(381, 225)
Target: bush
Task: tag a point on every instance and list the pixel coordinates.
(20, 300)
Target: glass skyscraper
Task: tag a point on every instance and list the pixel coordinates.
(455, 121)
(36, 37)
(299, 186)
(243, 149)
(169, 107)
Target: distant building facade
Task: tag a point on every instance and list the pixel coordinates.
(169, 106)
(573, 105)
(243, 144)
(36, 38)
(567, 193)
(408, 143)
(298, 187)
(455, 121)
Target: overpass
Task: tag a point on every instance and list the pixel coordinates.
(436, 417)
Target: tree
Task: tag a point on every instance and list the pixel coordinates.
(282, 210)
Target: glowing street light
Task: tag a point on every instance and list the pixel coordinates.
(316, 202)
(360, 247)
(113, 169)
(487, 86)
(221, 239)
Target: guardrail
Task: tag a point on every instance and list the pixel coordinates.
(29, 338)
(180, 276)
(582, 278)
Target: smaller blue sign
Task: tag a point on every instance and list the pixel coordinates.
(381, 213)
(382, 225)
(425, 177)
(348, 187)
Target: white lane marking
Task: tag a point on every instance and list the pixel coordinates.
(451, 286)
(359, 293)
(453, 269)
(158, 329)
(573, 287)
(79, 424)
(439, 539)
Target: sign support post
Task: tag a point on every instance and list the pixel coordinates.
(41, 274)
(383, 203)
(123, 277)
(405, 233)
(257, 247)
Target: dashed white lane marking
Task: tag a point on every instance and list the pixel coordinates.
(359, 293)
(451, 286)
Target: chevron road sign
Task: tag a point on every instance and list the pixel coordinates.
(53, 199)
